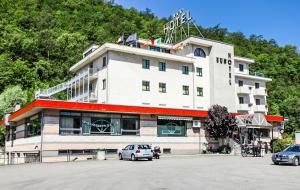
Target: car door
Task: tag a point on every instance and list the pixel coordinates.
(125, 151)
(130, 151)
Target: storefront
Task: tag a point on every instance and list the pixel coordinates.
(88, 123)
(171, 126)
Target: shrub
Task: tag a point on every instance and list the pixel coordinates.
(278, 145)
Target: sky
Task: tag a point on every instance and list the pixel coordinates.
(273, 19)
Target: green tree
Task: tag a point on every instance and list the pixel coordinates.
(8, 99)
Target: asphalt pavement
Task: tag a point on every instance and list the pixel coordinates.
(179, 172)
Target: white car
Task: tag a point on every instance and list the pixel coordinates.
(136, 151)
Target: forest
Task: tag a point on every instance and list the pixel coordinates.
(41, 39)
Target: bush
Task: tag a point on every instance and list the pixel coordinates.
(278, 145)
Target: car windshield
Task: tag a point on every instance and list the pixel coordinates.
(143, 146)
(292, 149)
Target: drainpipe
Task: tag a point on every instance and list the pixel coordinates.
(42, 136)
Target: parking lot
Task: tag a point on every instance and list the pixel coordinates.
(179, 172)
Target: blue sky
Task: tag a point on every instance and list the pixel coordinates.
(278, 19)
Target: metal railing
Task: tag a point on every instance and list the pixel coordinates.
(46, 93)
(258, 74)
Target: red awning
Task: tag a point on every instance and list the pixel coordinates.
(38, 105)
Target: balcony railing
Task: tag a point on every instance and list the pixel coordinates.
(258, 74)
(243, 107)
(260, 108)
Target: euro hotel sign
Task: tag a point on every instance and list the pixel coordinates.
(179, 19)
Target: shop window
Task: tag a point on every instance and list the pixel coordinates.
(70, 123)
(76, 123)
(33, 126)
(171, 128)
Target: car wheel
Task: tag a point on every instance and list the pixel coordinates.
(120, 157)
(276, 163)
(150, 159)
(295, 161)
(133, 157)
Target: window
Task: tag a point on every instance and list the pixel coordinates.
(104, 62)
(225, 61)
(162, 87)
(185, 90)
(241, 67)
(162, 66)
(104, 84)
(185, 70)
(257, 101)
(33, 126)
(70, 123)
(229, 75)
(199, 72)
(199, 91)
(241, 83)
(217, 60)
(241, 100)
(146, 64)
(256, 85)
(229, 55)
(171, 128)
(154, 48)
(146, 85)
(164, 50)
(86, 123)
(199, 52)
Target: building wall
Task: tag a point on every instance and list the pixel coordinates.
(125, 82)
(222, 91)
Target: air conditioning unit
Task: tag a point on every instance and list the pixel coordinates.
(196, 123)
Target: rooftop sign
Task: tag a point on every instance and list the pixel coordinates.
(176, 26)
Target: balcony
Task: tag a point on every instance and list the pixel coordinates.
(260, 92)
(243, 107)
(257, 74)
(242, 90)
(260, 108)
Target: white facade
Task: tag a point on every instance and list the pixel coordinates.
(116, 76)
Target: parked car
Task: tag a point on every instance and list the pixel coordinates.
(136, 151)
(290, 155)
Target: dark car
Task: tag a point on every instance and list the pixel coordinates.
(290, 155)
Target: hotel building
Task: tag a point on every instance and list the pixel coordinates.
(156, 94)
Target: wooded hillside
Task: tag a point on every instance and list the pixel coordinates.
(41, 39)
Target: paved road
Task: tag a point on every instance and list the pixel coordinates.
(194, 172)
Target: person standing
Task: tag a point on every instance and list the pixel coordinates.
(266, 148)
(255, 147)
